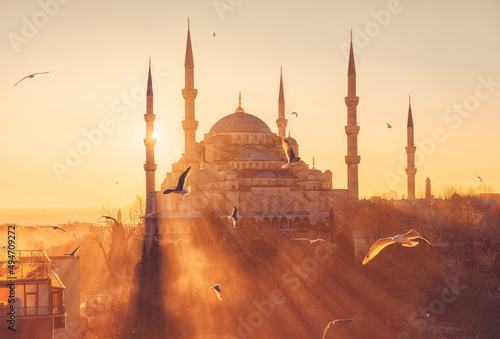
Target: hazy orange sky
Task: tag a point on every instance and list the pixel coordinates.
(444, 53)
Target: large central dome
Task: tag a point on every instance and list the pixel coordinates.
(240, 122)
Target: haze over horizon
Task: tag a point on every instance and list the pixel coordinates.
(74, 137)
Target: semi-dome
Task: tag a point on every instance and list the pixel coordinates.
(255, 154)
(240, 122)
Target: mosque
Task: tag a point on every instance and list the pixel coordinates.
(239, 163)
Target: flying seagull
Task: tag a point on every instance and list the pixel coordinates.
(388, 125)
(234, 217)
(403, 239)
(479, 178)
(217, 290)
(296, 114)
(311, 241)
(30, 76)
(73, 254)
(180, 184)
(109, 218)
(330, 324)
(292, 160)
(55, 228)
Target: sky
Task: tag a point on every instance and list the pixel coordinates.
(74, 137)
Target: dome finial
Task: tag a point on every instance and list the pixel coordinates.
(314, 163)
(239, 109)
(351, 35)
(188, 23)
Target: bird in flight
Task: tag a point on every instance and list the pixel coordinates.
(388, 125)
(234, 216)
(311, 241)
(296, 114)
(73, 254)
(214, 34)
(55, 228)
(30, 76)
(479, 178)
(403, 239)
(330, 324)
(109, 218)
(292, 160)
(217, 290)
(180, 184)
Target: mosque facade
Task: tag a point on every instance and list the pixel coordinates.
(239, 164)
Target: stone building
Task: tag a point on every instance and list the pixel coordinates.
(239, 163)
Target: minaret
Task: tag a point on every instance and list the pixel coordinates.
(281, 121)
(149, 141)
(428, 194)
(149, 165)
(189, 124)
(410, 152)
(352, 129)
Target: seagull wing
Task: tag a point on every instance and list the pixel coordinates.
(116, 222)
(378, 246)
(76, 250)
(288, 150)
(235, 211)
(326, 329)
(21, 80)
(183, 178)
(38, 73)
(60, 228)
(412, 234)
(301, 239)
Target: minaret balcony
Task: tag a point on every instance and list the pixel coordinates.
(351, 101)
(352, 159)
(189, 125)
(351, 130)
(150, 142)
(189, 93)
(150, 167)
(410, 149)
(148, 117)
(411, 171)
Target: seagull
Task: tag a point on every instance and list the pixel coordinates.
(73, 254)
(55, 228)
(214, 34)
(296, 114)
(109, 218)
(292, 160)
(234, 217)
(403, 239)
(330, 324)
(388, 125)
(479, 178)
(30, 76)
(217, 290)
(180, 184)
(311, 241)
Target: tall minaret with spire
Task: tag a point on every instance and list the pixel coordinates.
(189, 124)
(281, 121)
(149, 141)
(410, 155)
(352, 129)
(149, 165)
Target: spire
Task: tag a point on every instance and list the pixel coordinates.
(282, 95)
(189, 51)
(410, 118)
(352, 69)
(150, 81)
(313, 164)
(239, 109)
